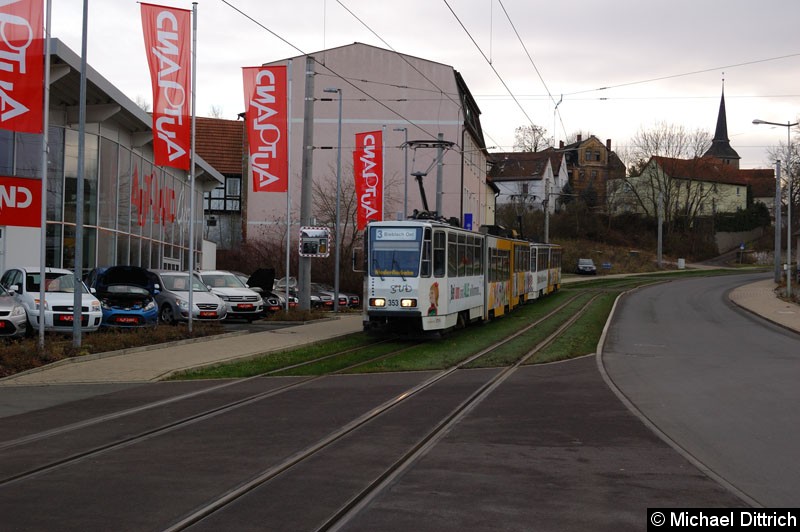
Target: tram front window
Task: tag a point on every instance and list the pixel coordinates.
(395, 262)
(395, 253)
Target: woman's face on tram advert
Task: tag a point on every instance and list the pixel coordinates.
(434, 297)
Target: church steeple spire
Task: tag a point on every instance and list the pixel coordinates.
(721, 144)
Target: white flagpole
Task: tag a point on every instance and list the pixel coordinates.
(45, 127)
(191, 167)
(288, 179)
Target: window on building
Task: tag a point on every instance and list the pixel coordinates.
(226, 197)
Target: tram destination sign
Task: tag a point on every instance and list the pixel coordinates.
(396, 234)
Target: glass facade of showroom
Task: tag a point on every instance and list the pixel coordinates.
(133, 212)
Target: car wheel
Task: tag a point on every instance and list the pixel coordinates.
(167, 315)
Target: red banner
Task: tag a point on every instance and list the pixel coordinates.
(20, 202)
(21, 65)
(167, 41)
(266, 110)
(368, 170)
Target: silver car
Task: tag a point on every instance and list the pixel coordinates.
(240, 300)
(173, 299)
(13, 320)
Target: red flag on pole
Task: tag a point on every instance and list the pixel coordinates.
(368, 170)
(167, 40)
(267, 119)
(21, 65)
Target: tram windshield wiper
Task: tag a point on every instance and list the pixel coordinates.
(395, 263)
(376, 267)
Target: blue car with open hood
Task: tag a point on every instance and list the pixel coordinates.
(126, 294)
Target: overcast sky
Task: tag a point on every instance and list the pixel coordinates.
(660, 61)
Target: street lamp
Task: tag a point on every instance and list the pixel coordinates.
(788, 125)
(405, 171)
(338, 194)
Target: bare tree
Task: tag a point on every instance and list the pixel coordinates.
(531, 138)
(142, 103)
(656, 184)
(215, 111)
(790, 167)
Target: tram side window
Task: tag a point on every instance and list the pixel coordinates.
(534, 264)
(452, 255)
(439, 253)
(425, 270)
(462, 259)
(477, 268)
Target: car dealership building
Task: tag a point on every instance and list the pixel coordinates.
(134, 213)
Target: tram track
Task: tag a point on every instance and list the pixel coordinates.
(342, 515)
(298, 457)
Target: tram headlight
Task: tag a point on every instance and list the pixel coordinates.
(408, 303)
(377, 302)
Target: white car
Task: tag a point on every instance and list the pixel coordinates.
(59, 296)
(240, 300)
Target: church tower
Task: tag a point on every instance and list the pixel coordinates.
(721, 146)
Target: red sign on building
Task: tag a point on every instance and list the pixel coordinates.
(20, 202)
(368, 170)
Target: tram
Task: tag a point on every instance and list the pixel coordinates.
(428, 275)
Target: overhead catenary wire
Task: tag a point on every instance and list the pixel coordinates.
(471, 38)
(439, 89)
(344, 79)
(535, 68)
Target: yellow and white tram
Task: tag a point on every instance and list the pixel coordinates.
(426, 275)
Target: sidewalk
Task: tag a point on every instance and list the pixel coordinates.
(157, 363)
(760, 298)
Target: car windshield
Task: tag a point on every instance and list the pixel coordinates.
(221, 280)
(54, 283)
(585, 262)
(180, 283)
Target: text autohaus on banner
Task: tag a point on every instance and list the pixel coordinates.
(267, 120)
(368, 173)
(167, 39)
(21, 65)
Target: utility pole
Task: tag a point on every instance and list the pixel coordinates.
(660, 226)
(439, 173)
(304, 273)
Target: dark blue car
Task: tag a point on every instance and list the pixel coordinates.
(126, 294)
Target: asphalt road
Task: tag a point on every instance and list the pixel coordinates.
(722, 383)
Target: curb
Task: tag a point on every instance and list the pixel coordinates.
(119, 352)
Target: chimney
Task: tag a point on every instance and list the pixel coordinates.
(580, 137)
(608, 144)
(561, 144)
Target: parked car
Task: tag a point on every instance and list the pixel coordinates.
(59, 298)
(345, 299)
(240, 300)
(173, 298)
(13, 320)
(318, 300)
(127, 295)
(586, 267)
